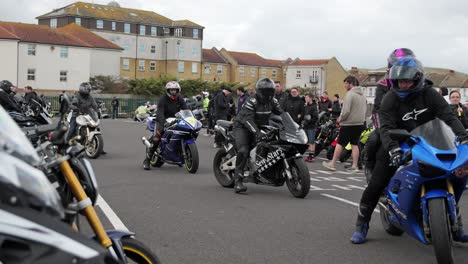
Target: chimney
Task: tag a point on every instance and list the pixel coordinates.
(451, 71)
(354, 70)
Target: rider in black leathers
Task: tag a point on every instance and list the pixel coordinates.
(82, 103)
(411, 103)
(254, 113)
(169, 104)
(6, 99)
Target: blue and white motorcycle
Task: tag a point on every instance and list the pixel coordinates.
(178, 143)
(421, 197)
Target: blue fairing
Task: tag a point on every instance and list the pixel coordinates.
(404, 190)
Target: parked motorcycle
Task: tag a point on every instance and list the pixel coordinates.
(274, 160)
(178, 143)
(327, 132)
(91, 137)
(102, 109)
(420, 198)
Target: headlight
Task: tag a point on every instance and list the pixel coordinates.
(30, 180)
(462, 172)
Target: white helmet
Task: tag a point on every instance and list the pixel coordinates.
(170, 86)
(205, 94)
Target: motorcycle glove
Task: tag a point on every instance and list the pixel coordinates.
(261, 135)
(396, 155)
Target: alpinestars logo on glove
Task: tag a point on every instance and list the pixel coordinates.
(413, 114)
(271, 159)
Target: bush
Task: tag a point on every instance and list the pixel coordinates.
(108, 84)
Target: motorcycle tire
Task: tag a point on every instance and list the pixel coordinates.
(440, 230)
(224, 180)
(99, 145)
(192, 159)
(156, 161)
(390, 228)
(137, 252)
(330, 152)
(299, 185)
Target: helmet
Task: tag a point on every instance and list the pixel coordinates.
(170, 86)
(205, 94)
(407, 69)
(6, 86)
(265, 90)
(398, 54)
(85, 88)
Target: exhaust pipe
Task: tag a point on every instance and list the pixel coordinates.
(145, 142)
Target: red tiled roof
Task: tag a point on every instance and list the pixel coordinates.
(309, 62)
(72, 35)
(210, 55)
(252, 59)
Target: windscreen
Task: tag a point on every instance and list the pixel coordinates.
(437, 134)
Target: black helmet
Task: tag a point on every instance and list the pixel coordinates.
(407, 69)
(399, 54)
(6, 86)
(265, 90)
(85, 88)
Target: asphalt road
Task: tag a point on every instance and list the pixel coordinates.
(190, 218)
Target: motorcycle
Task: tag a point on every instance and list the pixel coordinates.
(91, 137)
(274, 160)
(327, 132)
(420, 198)
(178, 143)
(102, 109)
(202, 116)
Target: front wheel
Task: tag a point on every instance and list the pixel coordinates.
(137, 252)
(191, 159)
(223, 172)
(440, 230)
(94, 147)
(299, 184)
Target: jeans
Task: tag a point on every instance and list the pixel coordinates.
(115, 112)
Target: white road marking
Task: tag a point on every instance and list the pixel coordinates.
(312, 172)
(325, 172)
(344, 201)
(110, 214)
(344, 172)
(321, 158)
(316, 188)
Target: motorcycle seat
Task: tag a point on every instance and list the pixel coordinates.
(225, 124)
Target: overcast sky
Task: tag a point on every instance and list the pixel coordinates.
(359, 33)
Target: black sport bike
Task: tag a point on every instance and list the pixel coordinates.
(274, 159)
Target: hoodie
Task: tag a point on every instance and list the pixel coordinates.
(354, 108)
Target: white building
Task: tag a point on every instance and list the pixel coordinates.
(54, 59)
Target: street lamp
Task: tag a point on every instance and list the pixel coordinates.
(178, 50)
(166, 55)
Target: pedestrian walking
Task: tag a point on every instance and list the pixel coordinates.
(115, 107)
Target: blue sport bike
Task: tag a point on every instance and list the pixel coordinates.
(421, 197)
(178, 143)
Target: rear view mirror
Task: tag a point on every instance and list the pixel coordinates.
(399, 134)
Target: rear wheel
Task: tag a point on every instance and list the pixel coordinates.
(299, 185)
(137, 252)
(191, 159)
(440, 230)
(225, 176)
(387, 224)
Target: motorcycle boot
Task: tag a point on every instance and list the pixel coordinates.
(460, 235)
(238, 183)
(362, 225)
(149, 154)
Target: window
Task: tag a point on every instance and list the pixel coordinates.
(153, 48)
(370, 91)
(207, 68)
(126, 47)
(126, 64)
(273, 74)
(31, 74)
(64, 52)
(195, 51)
(142, 30)
(372, 78)
(141, 65)
(298, 74)
(178, 32)
(219, 69)
(32, 49)
(127, 28)
(195, 33)
(284, 73)
(114, 26)
(253, 72)
(154, 31)
(263, 73)
(167, 31)
(141, 48)
(99, 24)
(78, 21)
(180, 66)
(194, 67)
(241, 71)
(181, 50)
(63, 76)
(153, 66)
(53, 23)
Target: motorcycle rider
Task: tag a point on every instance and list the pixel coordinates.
(411, 103)
(254, 113)
(383, 87)
(169, 104)
(82, 103)
(6, 99)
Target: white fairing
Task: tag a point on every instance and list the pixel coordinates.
(86, 120)
(14, 225)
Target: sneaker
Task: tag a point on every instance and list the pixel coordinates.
(360, 235)
(353, 170)
(329, 165)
